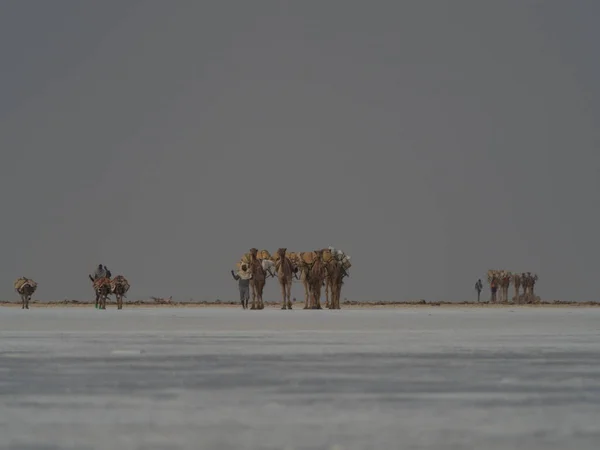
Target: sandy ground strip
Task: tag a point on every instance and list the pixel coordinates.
(297, 306)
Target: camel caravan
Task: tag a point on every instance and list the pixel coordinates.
(317, 269)
(500, 280)
(105, 286)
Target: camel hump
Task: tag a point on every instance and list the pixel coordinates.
(308, 257)
(120, 280)
(19, 282)
(22, 281)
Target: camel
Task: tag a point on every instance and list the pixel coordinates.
(257, 282)
(532, 280)
(285, 272)
(305, 261)
(25, 288)
(316, 277)
(102, 289)
(493, 280)
(119, 286)
(505, 278)
(337, 269)
(516, 279)
(335, 276)
(528, 280)
(329, 261)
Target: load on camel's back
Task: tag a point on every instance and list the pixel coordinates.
(343, 258)
(25, 287)
(265, 259)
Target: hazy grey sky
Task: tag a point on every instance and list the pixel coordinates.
(430, 140)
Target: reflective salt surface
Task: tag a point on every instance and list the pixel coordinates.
(210, 378)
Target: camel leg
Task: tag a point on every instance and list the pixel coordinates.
(327, 303)
(338, 293)
(261, 303)
(27, 298)
(306, 294)
(316, 296)
(283, 295)
(253, 289)
(289, 294)
(22, 301)
(332, 300)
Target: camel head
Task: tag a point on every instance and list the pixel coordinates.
(253, 251)
(319, 254)
(281, 252)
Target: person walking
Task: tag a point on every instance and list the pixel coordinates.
(243, 278)
(479, 288)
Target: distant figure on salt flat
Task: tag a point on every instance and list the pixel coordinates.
(478, 288)
(243, 278)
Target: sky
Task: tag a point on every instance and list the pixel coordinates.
(431, 141)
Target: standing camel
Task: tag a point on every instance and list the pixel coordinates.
(529, 281)
(335, 276)
(505, 278)
(285, 272)
(516, 279)
(316, 276)
(305, 261)
(102, 289)
(493, 280)
(533, 280)
(25, 287)
(338, 279)
(329, 261)
(119, 286)
(257, 282)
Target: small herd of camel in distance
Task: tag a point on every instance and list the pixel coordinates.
(103, 287)
(503, 278)
(320, 268)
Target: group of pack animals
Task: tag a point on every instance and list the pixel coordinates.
(317, 269)
(502, 280)
(103, 287)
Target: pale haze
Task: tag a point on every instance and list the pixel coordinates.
(431, 141)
